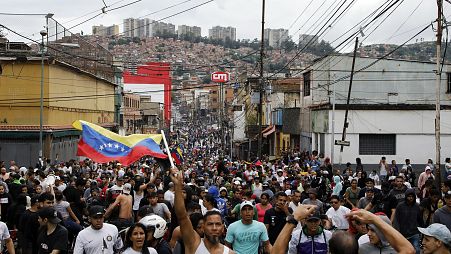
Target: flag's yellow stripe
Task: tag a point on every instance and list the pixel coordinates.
(129, 141)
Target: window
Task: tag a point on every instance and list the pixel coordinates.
(306, 89)
(448, 83)
(377, 144)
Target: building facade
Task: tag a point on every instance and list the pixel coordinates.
(391, 109)
(193, 31)
(105, 31)
(275, 37)
(222, 33)
(70, 94)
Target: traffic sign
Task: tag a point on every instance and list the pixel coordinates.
(220, 77)
(342, 143)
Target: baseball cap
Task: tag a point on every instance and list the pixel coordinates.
(315, 216)
(126, 188)
(438, 231)
(223, 189)
(120, 178)
(96, 210)
(246, 203)
(49, 213)
(237, 182)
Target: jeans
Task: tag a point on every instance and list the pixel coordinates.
(415, 241)
(72, 227)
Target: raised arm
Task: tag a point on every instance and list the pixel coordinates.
(396, 239)
(281, 244)
(190, 238)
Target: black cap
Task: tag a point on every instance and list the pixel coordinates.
(96, 210)
(49, 213)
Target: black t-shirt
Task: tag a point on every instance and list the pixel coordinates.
(57, 240)
(384, 203)
(276, 221)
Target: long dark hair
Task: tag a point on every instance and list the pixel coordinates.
(129, 243)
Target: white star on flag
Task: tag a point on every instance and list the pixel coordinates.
(110, 145)
(101, 148)
(116, 146)
(122, 149)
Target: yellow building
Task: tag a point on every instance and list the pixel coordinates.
(69, 94)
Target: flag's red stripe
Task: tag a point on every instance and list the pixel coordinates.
(176, 158)
(137, 153)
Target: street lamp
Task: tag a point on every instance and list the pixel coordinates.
(41, 111)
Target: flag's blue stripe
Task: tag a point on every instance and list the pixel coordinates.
(102, 144)
(150, 144)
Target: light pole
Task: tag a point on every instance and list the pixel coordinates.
(41, 110)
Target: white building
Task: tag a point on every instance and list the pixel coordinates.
(391, 111)
(276, 37)
(222, 33)
(193, 31)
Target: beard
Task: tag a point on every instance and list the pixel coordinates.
(212, 239)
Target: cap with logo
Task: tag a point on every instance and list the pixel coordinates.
(96, 211)
(50, 214)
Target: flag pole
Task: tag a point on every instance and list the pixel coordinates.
(167, 149)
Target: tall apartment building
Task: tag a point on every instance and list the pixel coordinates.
(162, 28)
(275, 37)
(130, 27)
(221, 33)
(105, 30)
(194, 31)
(144, 27)
(306, 38)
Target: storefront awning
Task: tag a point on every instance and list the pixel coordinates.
(269, 131)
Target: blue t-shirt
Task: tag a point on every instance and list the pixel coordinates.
(245, 239)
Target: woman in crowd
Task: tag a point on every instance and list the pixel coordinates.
(135, 241)
(263, 206)
(352, 195)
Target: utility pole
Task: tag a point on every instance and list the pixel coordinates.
(260, 105)
(345, 124)
(438, 176)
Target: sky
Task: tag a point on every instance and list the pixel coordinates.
(299, 16)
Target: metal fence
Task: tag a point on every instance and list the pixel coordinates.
(78, 51)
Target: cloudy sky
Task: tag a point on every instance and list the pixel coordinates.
(300, 16)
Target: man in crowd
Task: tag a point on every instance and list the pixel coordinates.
(100, 237)
(52, 237)
(213, 224)
(124, 203)
(443, 215)
(336, 214)
(245, 235)
(275, 217)
(436, 239)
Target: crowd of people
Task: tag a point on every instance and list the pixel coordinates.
(211, 203)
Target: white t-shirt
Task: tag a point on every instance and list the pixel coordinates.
(104, 240)
(169, 196)
(4, 234)
(129, 250)
(338, 217)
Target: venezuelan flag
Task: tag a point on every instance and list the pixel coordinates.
(176, 153)
(102, 145)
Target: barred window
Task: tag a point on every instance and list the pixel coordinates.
(377, 144)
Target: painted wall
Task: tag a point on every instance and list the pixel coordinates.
(69, 95)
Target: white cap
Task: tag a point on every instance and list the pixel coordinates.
(126, 188)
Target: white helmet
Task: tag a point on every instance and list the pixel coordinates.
(157, 223)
